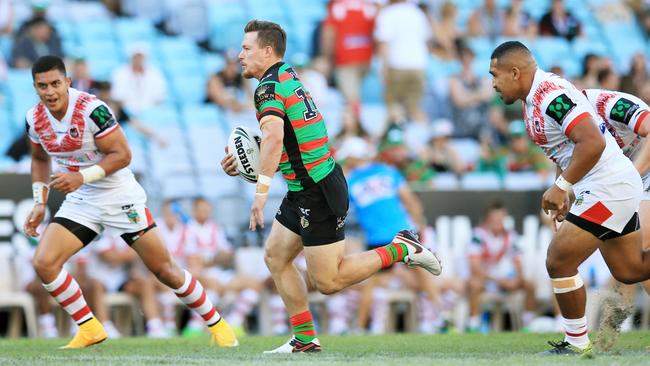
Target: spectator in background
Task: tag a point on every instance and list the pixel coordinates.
(351, 128)
(636, 77)
(189, 18)
(138, 86)
(592, 64)
(446, 32)
(517, 22)
(39, 41)
(103, 90)
(522, 155)
(313, 74)
(495, 265)
(347, 43)
(470, 96)
(608, 79)
(228, 89)
(441, 155)
(39, 13)
(403, 34)
(644, 92)
(81, 79)
(559, 22)
(486, 20)
(6, 17)
(393, 151)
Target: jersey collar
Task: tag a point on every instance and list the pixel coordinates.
(270, 72)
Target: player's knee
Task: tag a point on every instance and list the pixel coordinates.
(43, 264)
(164, 272)
(274, 261)
(555, 266)
(327, 286)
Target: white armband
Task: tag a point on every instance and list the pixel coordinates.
(93, 173)
(563, 184)
(39, 192)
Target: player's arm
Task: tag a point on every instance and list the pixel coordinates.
(642, 161)
(271, 147)
(589, 146)
(41, 167)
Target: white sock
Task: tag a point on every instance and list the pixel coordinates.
(474, 322)
(575, 332)
(379, 311)
(528, 317)
(246, 301)
(279, 319)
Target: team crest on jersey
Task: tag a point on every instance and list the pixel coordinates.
(581, 198)
(133, 216)
(73, 132)
(537, 126)
(559, 107)
(304, 222)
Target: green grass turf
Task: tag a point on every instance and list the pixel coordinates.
(451, 349)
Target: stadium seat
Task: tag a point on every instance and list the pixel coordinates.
(202, 115)
(182, 67)
(134, 29)
(20, 304)
(189, 88)
(445, 182)
(96, 30)
(174, 48)
(163, 115)
(468, 149)
(480, 181)
(549, 51)
(372, 89)
(179, 186)
(213, 63)
(373, 118)
(522, 181)
(102, 68)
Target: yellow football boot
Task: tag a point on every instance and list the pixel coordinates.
(223, 335)
(89, 333)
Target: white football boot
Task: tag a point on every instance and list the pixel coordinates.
(293, 345)
(418, 255)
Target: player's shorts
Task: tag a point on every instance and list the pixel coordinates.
(86, 220)
(317, 213)
(607, 208)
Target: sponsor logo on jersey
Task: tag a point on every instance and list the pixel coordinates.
(304, 222)
(264, 93)
(623, 110)
(133, 216)
(559, 108)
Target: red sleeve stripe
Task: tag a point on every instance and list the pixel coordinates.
(575, 121)
(639, 121)
(105, 133)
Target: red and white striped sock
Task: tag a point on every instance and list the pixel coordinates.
(192, 294)
(575, 331)
(67, 293)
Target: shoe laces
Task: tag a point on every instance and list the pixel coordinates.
(559, 345)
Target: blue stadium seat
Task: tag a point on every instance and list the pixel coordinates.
(164, 115)
(207, 143)
(6, 43)
(213, 63)
(101, 69)
(260, 9)
(445, 182)
(227, 11)
(625, 40)
(480, 181)
(66, 29)
(95, 30)
(104, 49)
(481, 46)
(175, 48)
(189, 88)
(183, 66)
(179, 186)
(134, 29)
(306, 10)
(523, 181)
(372, 89)
(439, 69)
(468, 149)
(583, 46)
(202, 115)
(19, 81)
(551, 50)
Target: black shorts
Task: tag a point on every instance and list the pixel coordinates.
(602, 232)
(317, 213)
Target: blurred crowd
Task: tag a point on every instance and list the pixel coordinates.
(414, 140)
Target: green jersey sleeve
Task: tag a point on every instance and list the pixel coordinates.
(268, 102)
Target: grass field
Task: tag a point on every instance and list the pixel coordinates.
(453, 349)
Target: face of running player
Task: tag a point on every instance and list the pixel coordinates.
(505, 80)
(52, 89)
(255, 59)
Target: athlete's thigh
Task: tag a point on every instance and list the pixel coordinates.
(283, 244)
(620, 253)
(57, 245)
(323, 260)
(644, 218)
(151, 249)
(571, 245)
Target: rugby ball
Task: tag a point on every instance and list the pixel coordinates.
(244, 144)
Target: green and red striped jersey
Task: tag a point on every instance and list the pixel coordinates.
(306, 157)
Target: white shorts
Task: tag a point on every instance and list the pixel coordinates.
(610, 202)
(119, 218)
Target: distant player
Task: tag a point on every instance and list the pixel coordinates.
(607, 187)
(82, 135)
(312, 215)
